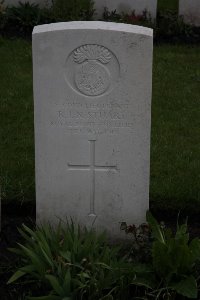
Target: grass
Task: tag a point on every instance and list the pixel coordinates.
(175, 158)
(16, 120)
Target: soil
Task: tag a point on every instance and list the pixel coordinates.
(14, 217)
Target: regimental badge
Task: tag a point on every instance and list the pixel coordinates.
(92, 78)
(92, 74)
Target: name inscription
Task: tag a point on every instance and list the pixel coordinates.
(93, 118)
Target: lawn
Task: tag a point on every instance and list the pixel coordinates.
(175, 154)
(175, 143)
(16, 119)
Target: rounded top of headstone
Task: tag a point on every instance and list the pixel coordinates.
(93, 25)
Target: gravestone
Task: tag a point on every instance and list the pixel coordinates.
(190, 10)
(126, 6)
(92, 94)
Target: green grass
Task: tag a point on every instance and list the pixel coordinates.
(16, 120)
(175, 154)
(175, 150)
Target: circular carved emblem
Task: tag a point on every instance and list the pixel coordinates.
(93, 69)
(92, 79)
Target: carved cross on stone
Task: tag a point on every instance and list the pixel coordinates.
(92, 168)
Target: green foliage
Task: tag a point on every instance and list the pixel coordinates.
(170, 26)
(164, 5)
(19, 20)
(72, 10)
(143, 19)
(1, 6)
(174, 258)
(141, 245)
(71, 263)
(25, 16)
(2, 14)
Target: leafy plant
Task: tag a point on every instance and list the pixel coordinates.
(143, 19)
(111, 16)
(141, 245)
(171, 26)
(71, 263)
(1, 7)
(167, 27)
(2, 14)
(72, 10)
(19, 20)
(173, 267)
(164, 5)
(26, 15)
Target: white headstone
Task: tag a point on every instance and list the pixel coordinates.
(126, 6)
(92, 93)
(190, 10)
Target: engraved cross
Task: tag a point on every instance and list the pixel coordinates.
(92, 168)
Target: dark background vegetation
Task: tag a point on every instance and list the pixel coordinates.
(175, 162)
(175, 143)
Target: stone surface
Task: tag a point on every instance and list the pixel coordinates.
(126, 6)
(92, 94)
(190, 10)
